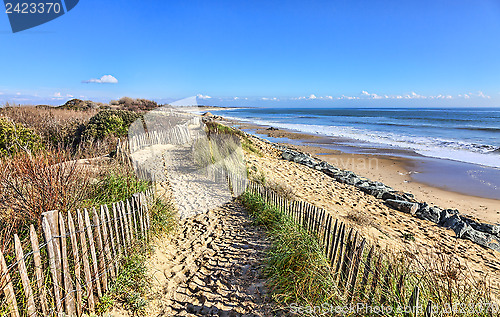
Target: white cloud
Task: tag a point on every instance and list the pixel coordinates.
(266, 98)
(57, 95)
(203, 96)
(106, 79)
(482, 95)
(312, 96)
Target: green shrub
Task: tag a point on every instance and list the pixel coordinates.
(15, 137)
(109, 123)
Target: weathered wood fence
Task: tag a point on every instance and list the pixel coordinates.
(67, 267)
(362, 273)
(177, 135)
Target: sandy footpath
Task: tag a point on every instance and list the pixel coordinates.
(211, 267)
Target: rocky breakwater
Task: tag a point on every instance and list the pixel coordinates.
(486, 235)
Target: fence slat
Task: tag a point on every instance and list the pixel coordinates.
(8, 289)
(375, 278)
(341, 248)
(413, 302)
(349, 252)
(366, 272)
(354, 278)
(52, 264)
(42, 292)
(86, 265)
(387, 283)
(428, 309)
(106, 243)
(100, 249)
(76, 261)
(112, 239)
(130, 219)
(125, 226)
(68, 283)
(21, 265)
(116, 222)
(90, 237)
(130, 205)
(53, 221)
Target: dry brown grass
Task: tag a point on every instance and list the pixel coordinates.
(32, 184)
(57, 127)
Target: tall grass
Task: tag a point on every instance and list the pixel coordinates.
(299, 274)
(132, 284)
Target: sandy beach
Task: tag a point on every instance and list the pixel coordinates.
(385, 227)
(392, 170)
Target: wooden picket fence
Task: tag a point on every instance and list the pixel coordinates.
(176, 135)
(72, 268)
(361, 271)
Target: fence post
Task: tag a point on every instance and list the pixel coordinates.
(53, 221)
(21, 265)
(76, 259)
(52, 263)
(8, 289)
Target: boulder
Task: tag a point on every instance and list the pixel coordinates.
(452, 221)
(428, 213)
(445, 214)
(392, 195)
(485, 227)
(374, 191)
(288, 155)
(482, 238)
(404, 206)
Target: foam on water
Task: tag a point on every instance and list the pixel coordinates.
(486, 155)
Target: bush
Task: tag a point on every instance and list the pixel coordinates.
(127, 103)
(109, 123)
(15, 137)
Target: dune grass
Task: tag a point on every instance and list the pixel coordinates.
(301, 279)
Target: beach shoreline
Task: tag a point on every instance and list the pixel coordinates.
(393, 169)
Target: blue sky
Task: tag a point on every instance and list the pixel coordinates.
(326, 53)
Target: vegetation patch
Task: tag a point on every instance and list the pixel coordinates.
(299, 275)
(109, 122)
(14, 137)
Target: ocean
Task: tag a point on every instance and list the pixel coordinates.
(470, 135)
(457, 149)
